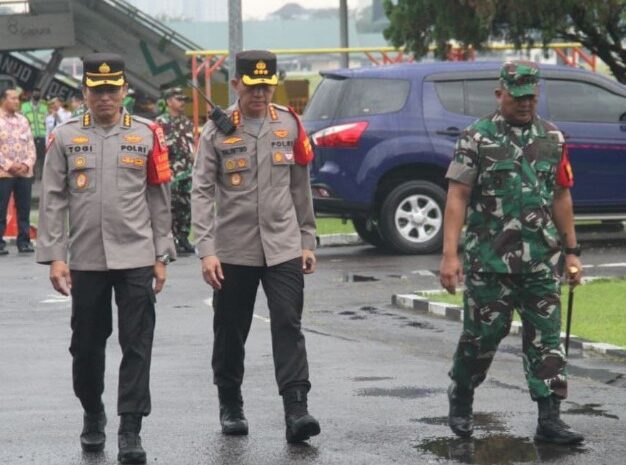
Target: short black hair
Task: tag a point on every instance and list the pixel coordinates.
(3, 92)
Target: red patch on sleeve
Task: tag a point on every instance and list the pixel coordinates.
(564, 173)
(302, 149)
(158, 161)
(50, 141)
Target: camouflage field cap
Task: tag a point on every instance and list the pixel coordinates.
(519, 77)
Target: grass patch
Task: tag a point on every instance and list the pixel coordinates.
(333, 226)
(599, 310)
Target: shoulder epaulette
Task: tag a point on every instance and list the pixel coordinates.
(140, 119)
(279, 107)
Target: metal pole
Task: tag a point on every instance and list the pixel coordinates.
(343, 32)
(235, 40)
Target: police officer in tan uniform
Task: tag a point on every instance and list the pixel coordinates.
(253, 221)
(108, 171)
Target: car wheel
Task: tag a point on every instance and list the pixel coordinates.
(411, 218)
(367, 231)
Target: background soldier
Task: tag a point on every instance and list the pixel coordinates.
(109, 171)
(178, 130)
(512, 172)
(263, 229)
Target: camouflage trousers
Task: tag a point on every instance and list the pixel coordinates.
(181, 208)
(489, 302)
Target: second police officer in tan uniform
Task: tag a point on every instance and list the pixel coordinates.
(253, 222)
(107, 172)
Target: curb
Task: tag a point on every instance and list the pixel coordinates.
(336, 240)
(455, 313)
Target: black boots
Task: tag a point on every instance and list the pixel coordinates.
(461, 418)
(231, 412)
(550, 427)
(93, 437)
(183, 247)
(300, 426)
(129, 441)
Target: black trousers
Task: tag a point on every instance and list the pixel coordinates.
(234, 305)
(21, 189)
(92, 325)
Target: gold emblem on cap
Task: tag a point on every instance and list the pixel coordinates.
(81, 181)
(242, 163)
(230, 165)
(278, 157)
(104, 68)
(261, 68)
(80, 162)
(235, 179)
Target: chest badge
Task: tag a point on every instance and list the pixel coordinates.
(281, 133)
(278, 157)
(80, 140)
(232, 140)
(82, 180)
(235, 179)
(80, 162)
(242, 163)
(230, 165)
(133, 139)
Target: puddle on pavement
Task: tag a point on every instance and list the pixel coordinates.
(420, 325)
(599, 374)
(593, 410)
(491, 422)
(371, 378)
(404, 392)
(369, 309)
(495, 450)
(512, 387)
(398, 276)
(357, 278)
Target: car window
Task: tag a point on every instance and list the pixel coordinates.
(471, 97)
(450, 95)
(373, 96)
(480, 99)
(582, 101)
(323, 103)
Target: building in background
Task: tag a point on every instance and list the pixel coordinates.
(191, 10)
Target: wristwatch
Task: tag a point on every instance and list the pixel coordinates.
(576, 250)
(165, 258)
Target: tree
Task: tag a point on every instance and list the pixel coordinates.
(599, 25)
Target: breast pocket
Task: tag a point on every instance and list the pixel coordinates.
(281, 167)
(131, 171)
(82, 173)
(236, 172)
(498, 178)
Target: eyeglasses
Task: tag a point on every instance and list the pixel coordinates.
(181, 99)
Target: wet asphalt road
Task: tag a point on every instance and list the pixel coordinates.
(378, 374)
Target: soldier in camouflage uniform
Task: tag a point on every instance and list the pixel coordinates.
(511, 173)
(178, 131)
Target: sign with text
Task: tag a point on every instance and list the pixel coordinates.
(29, 32)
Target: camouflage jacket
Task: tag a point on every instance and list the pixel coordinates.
(180, 143)
(512, 172)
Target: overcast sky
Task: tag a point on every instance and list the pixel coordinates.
(257, 9)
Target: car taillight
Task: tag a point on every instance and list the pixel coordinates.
(342, 135)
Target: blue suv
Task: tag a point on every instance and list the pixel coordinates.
(384, 137)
